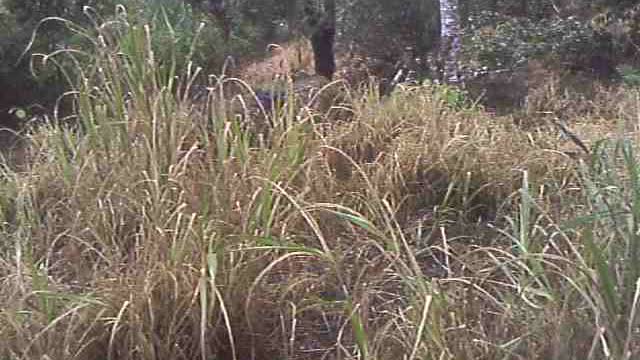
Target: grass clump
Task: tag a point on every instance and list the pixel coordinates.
(411, 228)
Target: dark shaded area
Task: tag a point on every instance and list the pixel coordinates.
(599, 66)
(18, 90)
(215, 6)
(322, 42)
(35, 96)
(270, 99)
(219, 11)
(602, 61)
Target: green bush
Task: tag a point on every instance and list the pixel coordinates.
(388, 31)
(630, 75)
(48, 27)
(497, 41)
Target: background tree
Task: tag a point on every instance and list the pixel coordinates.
(219, 10)
(385, 34)
(18, 20)
(323, 28)
(450, 38)
(592, 37)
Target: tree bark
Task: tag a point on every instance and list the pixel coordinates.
(450, 38)
(322, 41)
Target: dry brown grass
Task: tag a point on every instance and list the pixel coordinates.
(412, 228)
(141, 236)
(282, 61)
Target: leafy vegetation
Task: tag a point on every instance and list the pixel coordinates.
(168, 211)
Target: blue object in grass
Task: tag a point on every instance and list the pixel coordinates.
(270, 99)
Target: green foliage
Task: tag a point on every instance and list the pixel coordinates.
(64, 24)
(34, 10)
(498, 41)
(630, 75)
(18, 21)
(180, 34)
(268, 17)
(452, 97)
(496, 36)
(612, 241)
(386, 30)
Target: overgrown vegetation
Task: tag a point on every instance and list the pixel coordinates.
(172, 214)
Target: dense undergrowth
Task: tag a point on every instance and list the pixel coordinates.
(407, 227)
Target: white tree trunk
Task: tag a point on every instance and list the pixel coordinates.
(450, 39)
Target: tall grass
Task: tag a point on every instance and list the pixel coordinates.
(153, 226)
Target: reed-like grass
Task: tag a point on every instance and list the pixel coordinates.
(408, 227)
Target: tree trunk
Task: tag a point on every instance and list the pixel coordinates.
(322, 41)
(450, 40)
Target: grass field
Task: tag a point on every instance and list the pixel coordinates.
(414, 226)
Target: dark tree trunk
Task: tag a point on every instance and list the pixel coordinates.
(323, 40)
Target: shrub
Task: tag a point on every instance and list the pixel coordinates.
(386, 32)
